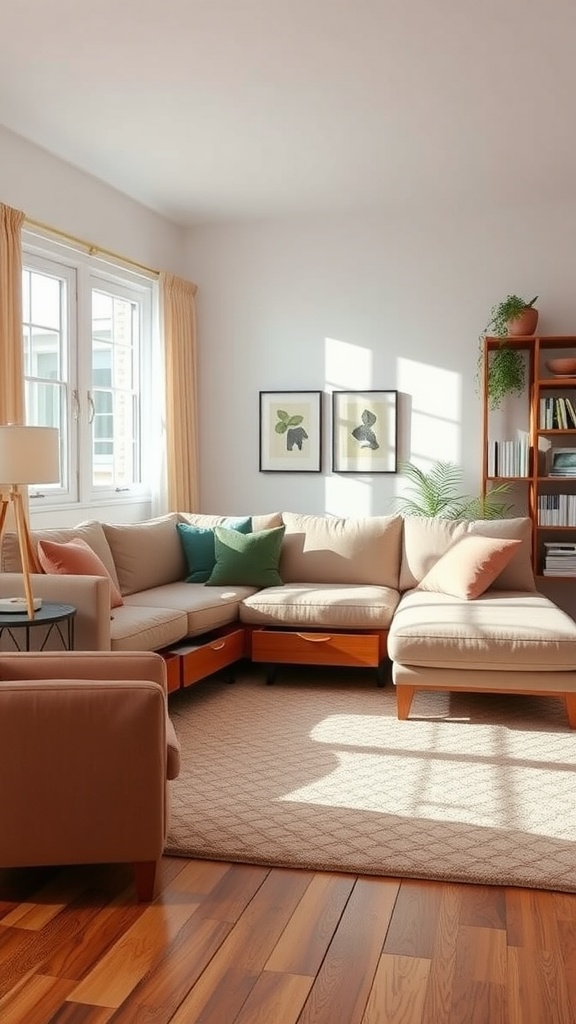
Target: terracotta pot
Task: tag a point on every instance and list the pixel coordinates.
(525, 323)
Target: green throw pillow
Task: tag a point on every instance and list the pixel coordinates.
(198, 545)
(249, 560)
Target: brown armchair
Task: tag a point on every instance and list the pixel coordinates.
(86, 752)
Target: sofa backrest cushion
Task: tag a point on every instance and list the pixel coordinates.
(327, 549)
(90, 531)
(147, 554)
(266, 521)
(424, 541)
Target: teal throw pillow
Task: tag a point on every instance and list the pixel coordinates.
(198, 545)
(249, 560)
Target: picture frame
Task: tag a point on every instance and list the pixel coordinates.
(365, 431)
(290, 432)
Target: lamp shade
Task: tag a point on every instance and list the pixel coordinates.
(29, 455)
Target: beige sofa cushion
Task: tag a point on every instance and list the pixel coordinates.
(501, 630)
(206, 608)
(146, 554)
(141, 628)
(424, 541)
(325, 606)
(326, 549)
(92, 532)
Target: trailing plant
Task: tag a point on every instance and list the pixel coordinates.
(435, 494)
(506, 368)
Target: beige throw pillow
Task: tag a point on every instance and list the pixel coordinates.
(470, 566)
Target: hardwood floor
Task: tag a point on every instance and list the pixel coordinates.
(241, 944)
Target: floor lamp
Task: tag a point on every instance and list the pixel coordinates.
(28, 455)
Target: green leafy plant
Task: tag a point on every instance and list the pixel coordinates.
(435, 494)
(506, 368)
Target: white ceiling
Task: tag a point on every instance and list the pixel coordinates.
(212, 110)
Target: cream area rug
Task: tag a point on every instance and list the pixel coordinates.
(317, 772)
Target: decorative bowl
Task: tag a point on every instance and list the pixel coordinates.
(562, 367)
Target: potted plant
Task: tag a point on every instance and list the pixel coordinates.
(511, 317)
(435, 494)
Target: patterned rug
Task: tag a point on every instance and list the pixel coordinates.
(317, 772)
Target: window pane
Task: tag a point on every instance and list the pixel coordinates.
(44, 354)
(45, 301)
(115, 382)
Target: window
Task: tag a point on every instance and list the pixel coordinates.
(87, 335)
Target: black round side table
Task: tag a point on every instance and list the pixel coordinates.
(58, 618)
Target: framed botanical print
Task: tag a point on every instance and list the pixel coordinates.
(290, 431)
(364, 431)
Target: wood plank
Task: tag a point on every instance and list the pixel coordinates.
(342, 986)
(230, 897)
(536, 988)
(399, 990)
(112, 979)
(275, 998)
(414, 921)
(303, 943)
(531, 919)
(34, 1001)
(483, 906)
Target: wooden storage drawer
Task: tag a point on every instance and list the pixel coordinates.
(172, 662)
(318, 648)
(201, 657)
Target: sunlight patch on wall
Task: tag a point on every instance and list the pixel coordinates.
(434, 412)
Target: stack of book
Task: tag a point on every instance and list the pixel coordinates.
(559, 559)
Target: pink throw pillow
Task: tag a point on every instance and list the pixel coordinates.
(75, 558)
(470, 566)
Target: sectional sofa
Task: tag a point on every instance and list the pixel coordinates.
(448, 605)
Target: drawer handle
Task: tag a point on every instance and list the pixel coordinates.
(314, 638)
(218, 647)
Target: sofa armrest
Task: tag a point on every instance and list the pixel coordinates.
(90, 595)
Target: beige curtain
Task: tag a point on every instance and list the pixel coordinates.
(178, 318)
(11, 353)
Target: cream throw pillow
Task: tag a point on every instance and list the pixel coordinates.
(470, 566)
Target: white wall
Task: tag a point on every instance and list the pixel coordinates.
(361, 303)
(47, 189)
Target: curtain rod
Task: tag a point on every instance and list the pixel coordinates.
(93, 250)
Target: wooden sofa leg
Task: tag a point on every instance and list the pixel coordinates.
(404, 698)
(145, 876)
(571, 708)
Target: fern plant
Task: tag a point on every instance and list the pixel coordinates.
(435, 494)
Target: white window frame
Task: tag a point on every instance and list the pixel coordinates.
(82, 273)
